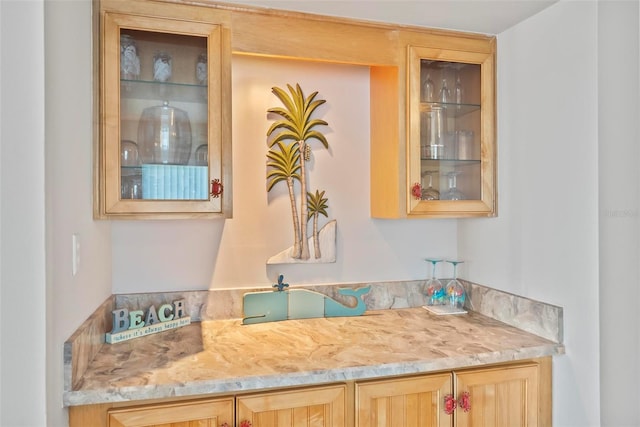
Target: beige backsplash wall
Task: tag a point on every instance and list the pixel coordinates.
(150, 256)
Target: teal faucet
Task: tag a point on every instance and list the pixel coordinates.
(280, 285)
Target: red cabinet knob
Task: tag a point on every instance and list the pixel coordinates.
(216, 188)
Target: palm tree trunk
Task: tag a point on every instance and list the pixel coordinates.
(295, 253)
(316, 240)
(304, 212)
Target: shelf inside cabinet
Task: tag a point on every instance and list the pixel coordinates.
(154, 90)
(434, 163)
(450, 109)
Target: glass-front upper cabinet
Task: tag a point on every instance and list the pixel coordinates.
(451, 162)
(164, 143)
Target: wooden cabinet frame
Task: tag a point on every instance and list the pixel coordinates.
(380, 47)
(182, 20)
(485, 205)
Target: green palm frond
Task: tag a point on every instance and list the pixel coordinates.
(317, 204)
(286, 135)
(319, 136)
(283, 163)
(296, 115)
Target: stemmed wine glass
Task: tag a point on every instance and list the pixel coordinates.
(433, 288)
(429, 193)
(453, 193)
(427, 89)
(455, 290)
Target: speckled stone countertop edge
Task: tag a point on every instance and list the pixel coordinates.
(302, 379)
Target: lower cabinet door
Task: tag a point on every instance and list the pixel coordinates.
(314, 407)
(405, 402)
(501, 397)
(203, 413)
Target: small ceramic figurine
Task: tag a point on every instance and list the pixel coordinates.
(161, 67)
(129, 60)
(201, 69)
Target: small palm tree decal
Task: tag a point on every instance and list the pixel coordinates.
(317, 205)
(297, 126)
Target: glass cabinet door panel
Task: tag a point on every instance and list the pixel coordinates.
(161, 138)
(450, 100)
(163, 114)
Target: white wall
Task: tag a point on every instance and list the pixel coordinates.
(619, 191)
(22, 215)
(69, 140)
(544, 244)
(161, 255)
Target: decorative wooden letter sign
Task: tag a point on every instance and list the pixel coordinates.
(130, 324)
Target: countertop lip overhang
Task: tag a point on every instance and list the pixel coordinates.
(297, 379)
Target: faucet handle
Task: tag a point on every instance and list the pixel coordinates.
(280, 285)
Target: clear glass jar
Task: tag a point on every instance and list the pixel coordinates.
(202, 155)
(129, 153)
(164, 135)
(129, 59)
(201, 69)
(162, 66)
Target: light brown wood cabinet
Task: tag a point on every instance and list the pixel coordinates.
(164, 111)
(450, 131)
(451, 136)
(502, 397)
(322, 406)
(202, 413)
(318, 407)
(509, 395)
(415, 401)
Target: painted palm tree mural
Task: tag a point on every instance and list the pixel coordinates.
(284, 165)
(289, 150)
(317, 206)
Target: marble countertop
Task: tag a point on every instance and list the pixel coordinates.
(223, 356)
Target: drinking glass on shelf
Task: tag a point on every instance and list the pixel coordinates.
(434, 133)
(129, 153)
(202, 155)
(131, 187)
(457, 92)
(427, 89)
(433, 289)
(429, 193)
(465, 145)
(452, 192)
(445, 94)
(131, 178)
(455, 291)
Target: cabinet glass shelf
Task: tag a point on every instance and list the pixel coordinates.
(433, 163)
(450, 109)
(153, 90)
